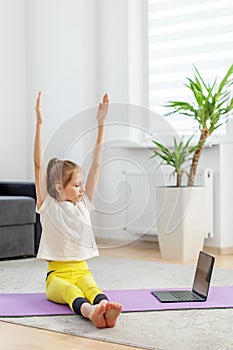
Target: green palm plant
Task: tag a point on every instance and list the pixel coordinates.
(210, 109)
(177, 158)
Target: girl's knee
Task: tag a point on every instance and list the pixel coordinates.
(61, 291)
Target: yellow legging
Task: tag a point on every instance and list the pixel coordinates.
(69, 281)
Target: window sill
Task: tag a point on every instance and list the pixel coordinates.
(136, 144)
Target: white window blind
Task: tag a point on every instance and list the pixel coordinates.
(183, 33)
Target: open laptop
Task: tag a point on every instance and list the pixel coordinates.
(200, 287)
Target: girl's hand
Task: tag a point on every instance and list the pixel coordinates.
(103, 110)
(39, 114)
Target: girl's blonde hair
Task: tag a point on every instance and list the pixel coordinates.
(59, 171)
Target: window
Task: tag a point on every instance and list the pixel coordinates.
(182, 33)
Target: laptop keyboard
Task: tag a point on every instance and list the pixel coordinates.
(186, 295)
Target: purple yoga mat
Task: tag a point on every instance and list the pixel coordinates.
(36, 304)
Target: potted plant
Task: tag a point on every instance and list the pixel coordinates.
(182, 209)
(211, 104)
(177, 158)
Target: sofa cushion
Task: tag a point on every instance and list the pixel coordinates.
(16, 210)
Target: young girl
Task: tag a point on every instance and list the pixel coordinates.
(67, 240)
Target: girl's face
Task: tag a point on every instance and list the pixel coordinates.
(75, 189)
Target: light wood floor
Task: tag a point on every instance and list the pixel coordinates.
(17, 337)
(149, 250)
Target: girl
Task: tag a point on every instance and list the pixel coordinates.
(67, 240)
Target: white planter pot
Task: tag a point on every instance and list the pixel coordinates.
(181, 221)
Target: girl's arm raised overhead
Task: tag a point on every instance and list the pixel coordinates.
(93, 175)
(40, 181)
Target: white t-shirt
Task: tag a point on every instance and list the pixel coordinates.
(66, 230)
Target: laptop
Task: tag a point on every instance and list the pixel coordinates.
(200, 287)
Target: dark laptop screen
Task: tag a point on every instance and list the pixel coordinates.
(203, 274)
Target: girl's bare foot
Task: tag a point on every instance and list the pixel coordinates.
(112, 312)
(95, 313)
(97, 316)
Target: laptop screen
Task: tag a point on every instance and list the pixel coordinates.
(203, 274)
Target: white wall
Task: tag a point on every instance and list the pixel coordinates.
(114, 34)
(48, 46)
(226, 195)
(218, 158)
(210, 160)
(13, 119)
(61, 63)
(112, 49)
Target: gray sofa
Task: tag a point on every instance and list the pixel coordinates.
(20, 227)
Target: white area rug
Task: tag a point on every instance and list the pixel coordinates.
(181, 330)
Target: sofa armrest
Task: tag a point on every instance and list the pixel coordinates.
(18, 189)
(23, 189)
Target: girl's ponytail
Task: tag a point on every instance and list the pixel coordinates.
(53, 175)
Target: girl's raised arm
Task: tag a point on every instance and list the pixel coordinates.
(40, 180)
(93, 175)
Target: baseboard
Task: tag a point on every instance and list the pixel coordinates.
(141, 242)
(147, 241)
(220, 250)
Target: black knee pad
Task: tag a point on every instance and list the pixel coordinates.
(77, 303)
(98, 298)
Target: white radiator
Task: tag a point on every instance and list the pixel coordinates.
(140, 211)
(140, 200)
